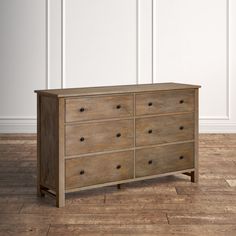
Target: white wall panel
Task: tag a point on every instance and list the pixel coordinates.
(192, 47)
(22, 55)
(100, 40)
(109, 42)
(145, 39)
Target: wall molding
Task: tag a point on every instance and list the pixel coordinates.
(155, 33)
(227, 116)
(207, 124)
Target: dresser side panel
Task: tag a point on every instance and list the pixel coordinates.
(49, 141)
(196, 136)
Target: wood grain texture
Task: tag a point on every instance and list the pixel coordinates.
(195, 174)
(99, 107)
(164, 129)
(48, 141)
(85, 127)
(150, 207)
(71, 92)
(165, 102)
(60, 167)
(99, 136)
(158, 160)
(86, 171)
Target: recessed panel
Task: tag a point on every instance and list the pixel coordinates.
(191, 47)
(100, 42)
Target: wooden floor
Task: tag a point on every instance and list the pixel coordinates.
(165, 206)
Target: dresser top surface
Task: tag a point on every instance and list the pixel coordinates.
(71, 92)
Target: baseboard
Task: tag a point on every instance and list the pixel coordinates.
(217, 127)
(29, 126)
(18, 126)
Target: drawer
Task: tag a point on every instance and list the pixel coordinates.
(99, 136)
(98, 169)
(164, 159)
(165, 102)
(91, 108)
(164, 129)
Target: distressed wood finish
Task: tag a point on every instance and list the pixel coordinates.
(164, 129)
(101, 136)
(155, 103)
(48, 141)
(102, 107)
(169, 205)
(159, 160)
(195, 174)
(98, 169)
(121, 89)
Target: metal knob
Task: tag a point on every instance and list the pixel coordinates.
(150, 162)
(150, 131)
(181, 101)
(118, 167)
(150, 104)
(81, 172)
(118, 135)
(81, 109)
(181, 157)
(181, 127)
(118, 106)
(81, 139)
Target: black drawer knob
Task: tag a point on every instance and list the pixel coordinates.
(118, 135)
(118, 167)
(118, 106)
(150, 131)
(81, 172)
(150, 162)
(181, 127)
(181, 157)
(81, 139)
(181, 101)
(150, 104)
(81, 109)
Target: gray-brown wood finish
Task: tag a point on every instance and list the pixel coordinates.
(164, 129)
(120, 89)
(99, 136)
(92, 128)
(99, 107)
(170, 205)
(48, 141)
(156, 103)
(164, 159)
(98, 169)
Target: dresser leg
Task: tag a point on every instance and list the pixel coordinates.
(194, 176)
(60, 200)
(39, 191)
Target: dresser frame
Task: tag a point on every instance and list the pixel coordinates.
(51, 135)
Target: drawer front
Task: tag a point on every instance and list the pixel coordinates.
(164, 129)
(164, 159)
(99, 136)
(98, 169)
(165, 102)
(90, 108)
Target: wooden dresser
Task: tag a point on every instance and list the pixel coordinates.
(93, 137)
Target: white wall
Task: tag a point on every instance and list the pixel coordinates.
(22, 62)
(108, 42)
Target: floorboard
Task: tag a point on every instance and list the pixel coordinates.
(170, 205)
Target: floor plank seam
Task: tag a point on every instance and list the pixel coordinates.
(104, 199)
(48, 229)
(21, 208)
(167, 218)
